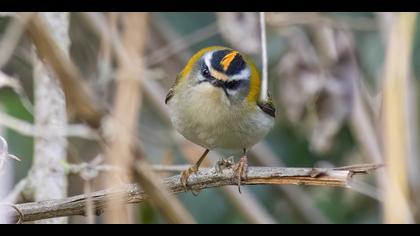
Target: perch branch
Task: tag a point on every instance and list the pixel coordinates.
(205, 178)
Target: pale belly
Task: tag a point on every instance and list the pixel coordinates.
(212, 122)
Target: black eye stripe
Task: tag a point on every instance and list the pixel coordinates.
(226, 85)
(232, 85)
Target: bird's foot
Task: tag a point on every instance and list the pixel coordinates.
(241, 170)
(186, 174)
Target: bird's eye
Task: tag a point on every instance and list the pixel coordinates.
(232, 85)
(205, 72)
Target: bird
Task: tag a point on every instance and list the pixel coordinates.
(215, 103)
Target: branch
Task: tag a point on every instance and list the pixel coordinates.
(205, 178)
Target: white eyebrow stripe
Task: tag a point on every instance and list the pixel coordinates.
(244, 74)
(207, 59)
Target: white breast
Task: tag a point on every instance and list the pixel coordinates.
(204, 115)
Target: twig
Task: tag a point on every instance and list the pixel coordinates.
(264, 79)
(205, 178)
(29, 129)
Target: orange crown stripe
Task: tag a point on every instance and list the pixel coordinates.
(227, 60)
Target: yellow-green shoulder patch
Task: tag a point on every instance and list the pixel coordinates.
(268, 106)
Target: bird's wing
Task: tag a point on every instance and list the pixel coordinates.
(171, 91)
(268, 106)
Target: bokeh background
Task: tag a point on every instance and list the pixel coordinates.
(327, 73)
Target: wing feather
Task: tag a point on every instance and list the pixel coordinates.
(268, 106)
(171, 91)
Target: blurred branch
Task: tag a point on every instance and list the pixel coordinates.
(12, 36)
(126, 111)
(241, 29)
(384, 20)
(7, 81)
(205, 178)
(297, 197)
(47, 177)
(362, 127)
(408, 33)
(318, 19)
(249, 206)
(181, 44)
(395, 113)
(7, 14)
(29, 129)
(78, 97)
(19, 193)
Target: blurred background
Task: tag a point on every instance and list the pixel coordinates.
(330, 75)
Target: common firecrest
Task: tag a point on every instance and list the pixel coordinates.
(215, 103)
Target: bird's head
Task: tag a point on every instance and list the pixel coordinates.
(221, 71)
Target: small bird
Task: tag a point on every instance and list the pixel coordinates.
(215, 103)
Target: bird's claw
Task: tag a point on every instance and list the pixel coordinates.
(185, 175)
(241, 171)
